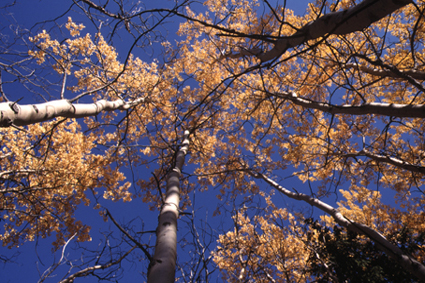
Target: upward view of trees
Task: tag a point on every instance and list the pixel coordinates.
(301, 127)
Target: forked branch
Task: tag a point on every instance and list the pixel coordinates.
(92, 269)
(343, 22)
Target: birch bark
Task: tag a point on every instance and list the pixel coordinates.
(163, 265)
(13, 114)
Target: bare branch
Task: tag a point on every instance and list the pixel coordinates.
(140, 246)
(51, 269)
(90, 270)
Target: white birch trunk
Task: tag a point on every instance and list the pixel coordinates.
(163, 265)
(13, 114)
(408, 262)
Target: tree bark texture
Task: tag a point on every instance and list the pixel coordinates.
(163, 265)
(13, 114)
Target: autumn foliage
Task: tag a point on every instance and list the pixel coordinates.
(268, 97)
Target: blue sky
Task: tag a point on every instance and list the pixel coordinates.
(36, 257)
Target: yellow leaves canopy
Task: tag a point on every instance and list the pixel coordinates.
(245, 115)
(51, 170)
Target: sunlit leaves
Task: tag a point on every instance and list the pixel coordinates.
(326, 151)
(263, 248)
(46, 173)
(242, 115)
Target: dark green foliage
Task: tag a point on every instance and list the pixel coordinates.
(342, 256)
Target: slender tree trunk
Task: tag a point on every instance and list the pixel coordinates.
(163, 265)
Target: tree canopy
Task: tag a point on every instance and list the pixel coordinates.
(248, 103)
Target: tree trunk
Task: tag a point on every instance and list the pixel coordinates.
(162, 267)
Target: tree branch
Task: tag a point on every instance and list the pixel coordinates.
(377, 108)
(11, 113)
(91, 269)
(417, 75)
(343, 22)
(145, 251)
(389, 160)
(412, 265)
